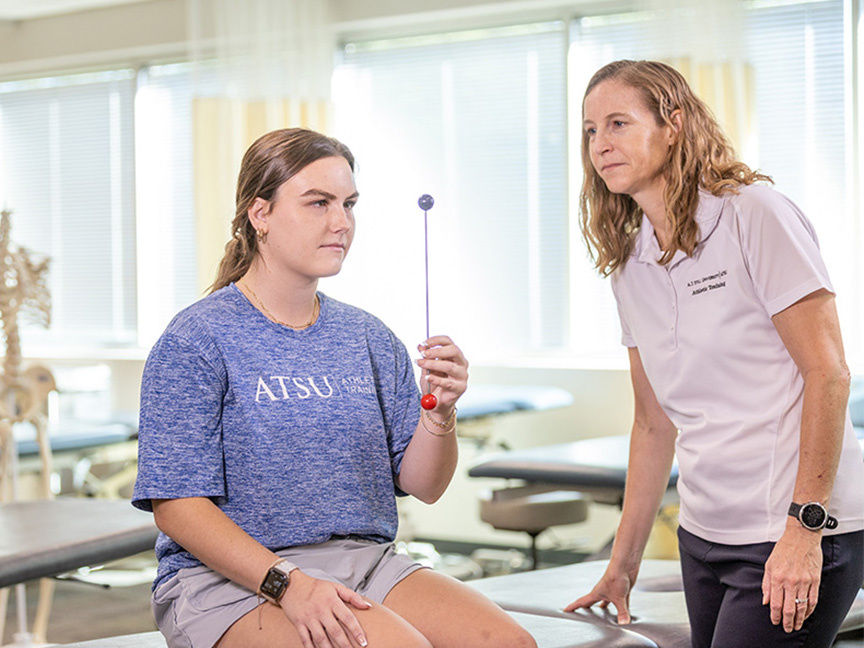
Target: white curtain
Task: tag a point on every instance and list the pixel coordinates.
(264, 49)
(260, 65)
(705, 41)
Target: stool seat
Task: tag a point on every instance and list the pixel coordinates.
(532, 510)
(524, 509)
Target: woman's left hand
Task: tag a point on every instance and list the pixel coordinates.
(792, 575)
(445, 370)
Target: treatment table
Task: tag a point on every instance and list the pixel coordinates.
(549, 632)
(536, 600)
(596, 467)
(657, 607)
(43, 538)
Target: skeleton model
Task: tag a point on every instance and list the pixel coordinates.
(23, 292)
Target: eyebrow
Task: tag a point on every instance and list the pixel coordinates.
(613, 115)
(327, 194)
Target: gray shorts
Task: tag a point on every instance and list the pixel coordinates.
(194, 608)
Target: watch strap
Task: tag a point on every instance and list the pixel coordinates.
(285, 566)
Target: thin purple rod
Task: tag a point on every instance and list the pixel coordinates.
(426, 236)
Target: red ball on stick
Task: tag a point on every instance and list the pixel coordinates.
(429, 401)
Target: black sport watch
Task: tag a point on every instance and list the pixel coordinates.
(812, 516)
(276, 581)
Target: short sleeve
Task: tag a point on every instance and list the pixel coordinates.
(780, 248)
(626, 337)
(179, 439)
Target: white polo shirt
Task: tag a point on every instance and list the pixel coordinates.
(720, 370)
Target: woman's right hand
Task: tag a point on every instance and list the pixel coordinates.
(614, 587)
(320, 612)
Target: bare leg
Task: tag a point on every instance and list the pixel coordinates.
(451, 615)
(383, 628)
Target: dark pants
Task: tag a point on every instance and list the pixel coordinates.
(723, 590)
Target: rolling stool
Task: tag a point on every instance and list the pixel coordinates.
(532, 509)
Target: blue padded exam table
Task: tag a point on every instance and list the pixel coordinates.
(78, 439)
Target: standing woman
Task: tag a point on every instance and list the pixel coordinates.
(737, 365)
(277, 427)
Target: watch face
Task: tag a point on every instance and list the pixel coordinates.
(812, 516)
(274, 584)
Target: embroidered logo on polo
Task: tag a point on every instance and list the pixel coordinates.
(708, 283)
(278, 388)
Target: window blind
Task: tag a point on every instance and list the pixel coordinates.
(66, 172)
(477, 120)
(97, 169)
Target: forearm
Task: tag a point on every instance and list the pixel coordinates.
(430, 460)
(823, 417)
(810, 332)
(201, 528)
(652, 449)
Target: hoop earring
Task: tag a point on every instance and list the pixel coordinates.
(261, 235)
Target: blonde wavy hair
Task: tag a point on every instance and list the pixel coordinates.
(701, 157)
(272, 159)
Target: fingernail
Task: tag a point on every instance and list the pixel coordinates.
(363, 641)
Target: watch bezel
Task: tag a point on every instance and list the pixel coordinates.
(274, 584)
(803, 513)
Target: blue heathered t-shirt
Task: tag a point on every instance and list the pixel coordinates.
(295, 435)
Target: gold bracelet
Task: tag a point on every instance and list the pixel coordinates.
(446, 422)
(433, 432)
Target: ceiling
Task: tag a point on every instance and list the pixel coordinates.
(24, 10)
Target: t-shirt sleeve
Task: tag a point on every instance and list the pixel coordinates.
(780, 249)
(180, 433)
(626, 337)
